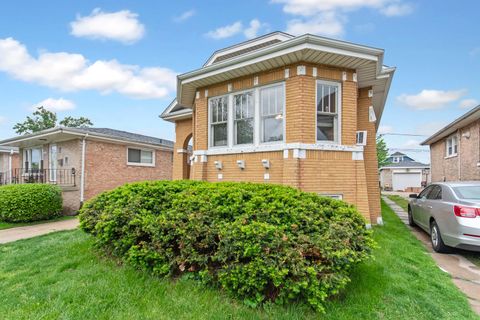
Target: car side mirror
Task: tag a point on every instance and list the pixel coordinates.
(413, 196)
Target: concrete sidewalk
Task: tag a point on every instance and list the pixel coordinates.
(464, 273)
(14, 234)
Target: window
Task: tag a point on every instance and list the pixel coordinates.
(243, 106)
(436, 193)
(425, 192)
(140, 157)
(271, 106)
(452, 146)
(327, 111)
(362, 138)
(32, 159)
(219, 121)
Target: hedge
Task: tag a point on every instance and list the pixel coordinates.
(257, 242)
(30, 202)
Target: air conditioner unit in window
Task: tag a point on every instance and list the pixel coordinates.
(362, 138)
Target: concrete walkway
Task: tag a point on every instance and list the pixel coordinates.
(465, 274)
(14, 234)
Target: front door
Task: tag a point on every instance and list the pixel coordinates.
(53, 163)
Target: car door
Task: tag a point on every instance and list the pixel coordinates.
(432, 205)
(418, 210)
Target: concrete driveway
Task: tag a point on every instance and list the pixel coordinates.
(14, 234)
(465, 274)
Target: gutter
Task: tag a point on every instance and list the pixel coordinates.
(82, 177)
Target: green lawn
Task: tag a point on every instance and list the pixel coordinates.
(472, 256)
(401, 201)
(60, 275)
(8, 225)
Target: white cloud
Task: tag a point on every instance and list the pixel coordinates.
(55, 105)
(429, 128)
(226, 31)
(468, 103)
(3, 120)
(184, 16)
(73, 72)
(327, 24)
(397, 9)
(121, 26)
(385, 129)
(431, 99)
(412, 143)
(328, 17)
(251, 31)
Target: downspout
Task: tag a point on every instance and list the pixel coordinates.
(10, 169)
(459, 159)
(82, 171)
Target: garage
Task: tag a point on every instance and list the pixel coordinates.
(403, 180)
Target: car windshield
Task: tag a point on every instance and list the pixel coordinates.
(468, 192)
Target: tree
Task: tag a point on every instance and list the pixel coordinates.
(382, 152)
(42, 119)
(72, 122)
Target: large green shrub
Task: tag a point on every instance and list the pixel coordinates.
(258, 242)
(29, 202)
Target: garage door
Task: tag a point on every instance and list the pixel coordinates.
(401, 181)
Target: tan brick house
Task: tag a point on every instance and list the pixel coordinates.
(87, 161)
(455, 149)
(301, 111)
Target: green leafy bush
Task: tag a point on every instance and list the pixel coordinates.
(258, 242)
(30, 202)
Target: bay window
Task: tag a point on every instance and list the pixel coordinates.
(272, 105)
(243, 105)
(328, 102)
(219, 121)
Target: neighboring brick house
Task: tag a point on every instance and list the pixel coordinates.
(301, 111)
(8, 159)
(455, 149)
(404, 174)
(87, 161)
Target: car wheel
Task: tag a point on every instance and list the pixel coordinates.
(410, 218)
(436, 238)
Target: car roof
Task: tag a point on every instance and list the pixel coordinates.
(459, 183)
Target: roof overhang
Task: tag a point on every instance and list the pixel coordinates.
(367, 61)
(451, 128)
(58, 134)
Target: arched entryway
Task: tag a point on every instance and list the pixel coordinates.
(183, 149)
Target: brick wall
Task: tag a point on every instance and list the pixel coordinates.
(370, 153)
(325, 172)
(463, 166)
(106, 167)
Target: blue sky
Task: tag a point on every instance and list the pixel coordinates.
(115, 61)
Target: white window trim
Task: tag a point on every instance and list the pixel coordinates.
(257, 120)
(254, 118)
(364, 141)
(27, 156)
(337, 133)
(136, 164)
(229, 118)
(453, 154)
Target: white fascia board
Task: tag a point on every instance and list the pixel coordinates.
(250, 43)
(282, 48)
(74, 133)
